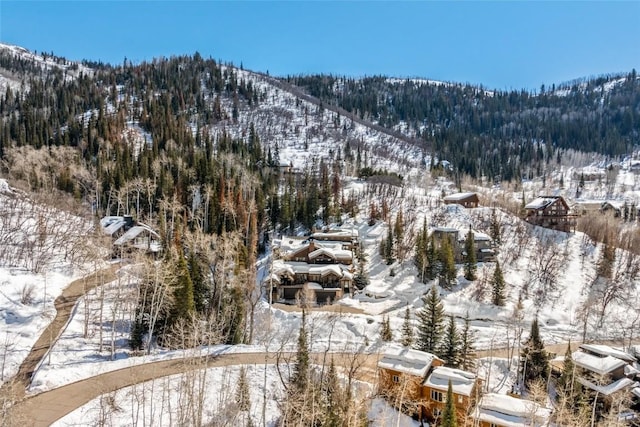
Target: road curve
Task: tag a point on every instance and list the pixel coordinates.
(45, 408)
(64, 306)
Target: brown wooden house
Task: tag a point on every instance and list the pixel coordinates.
(468, 200)
(401, 372)
(550, 212)
(464, 385)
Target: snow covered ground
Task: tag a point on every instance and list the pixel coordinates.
(36, 264)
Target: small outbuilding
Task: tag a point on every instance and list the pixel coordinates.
(468, 200)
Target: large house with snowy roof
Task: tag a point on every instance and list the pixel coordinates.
(317, 272)
(417, 382)
(605, 371)
(550, 212)
(500, 410)
(401, 373)
(468, 200)
(129, 235)
(465, 385)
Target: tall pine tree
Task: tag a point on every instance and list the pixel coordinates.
(449, 417)
(407, 329)
(450, 347)
(430, 322)
(535, 361)
(470, 261)
(467, 343)
(447, 273)
(497, 287)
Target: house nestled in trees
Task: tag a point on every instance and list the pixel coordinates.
(468, 200)
(484, 246)
(129, 235)
(465, 386)
(606, 371)
(318, 271)
(550, 212)
(402, 371)
(418, 382)
(499, 410)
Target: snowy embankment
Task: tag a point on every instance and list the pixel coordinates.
(39, 257)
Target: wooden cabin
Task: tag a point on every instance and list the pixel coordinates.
(550, 212)
(468, 200)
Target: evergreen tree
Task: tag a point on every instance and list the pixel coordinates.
(300, 378)
(398, 233)
(433, 266)
(242, 391)
(388, 247)
(201, 292)
(449, 418)
(333, 399)
(385, 333)
(470, 262)
(447, 273)
(450, 348)
(407, 329)
(535, 361)
(420, 260)
(497, 287)
(565, 382)
(430, 322)
(184, 305)
(467, 343)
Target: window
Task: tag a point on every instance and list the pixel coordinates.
(460, 399)
(493, 425)
(396, 379)
(436, 412)
(437, 396)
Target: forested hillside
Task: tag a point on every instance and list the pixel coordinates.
(495, 133)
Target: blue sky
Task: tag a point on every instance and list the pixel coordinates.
(504, 45)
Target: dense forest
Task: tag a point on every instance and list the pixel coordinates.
(499, 134)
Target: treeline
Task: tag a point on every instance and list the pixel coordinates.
(500, 134)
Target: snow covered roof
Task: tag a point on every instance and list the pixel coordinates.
(541, 202)
(337, 234)
(477, 236)
(461, 381)
(459, 196)
(608, 389)
(333, 253)
(636, 391)
(598, 365)
(134, 232)
(445, 229)
(605, 350)
(111, 224)
(508, 411)
(406, 360)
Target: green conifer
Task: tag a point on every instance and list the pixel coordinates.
(450, 348)
(407, 329)
(430, 322)
(470, 261)
(449, 418)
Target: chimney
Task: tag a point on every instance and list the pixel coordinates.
(128, 222)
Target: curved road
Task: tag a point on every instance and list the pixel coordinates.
(45, 408)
